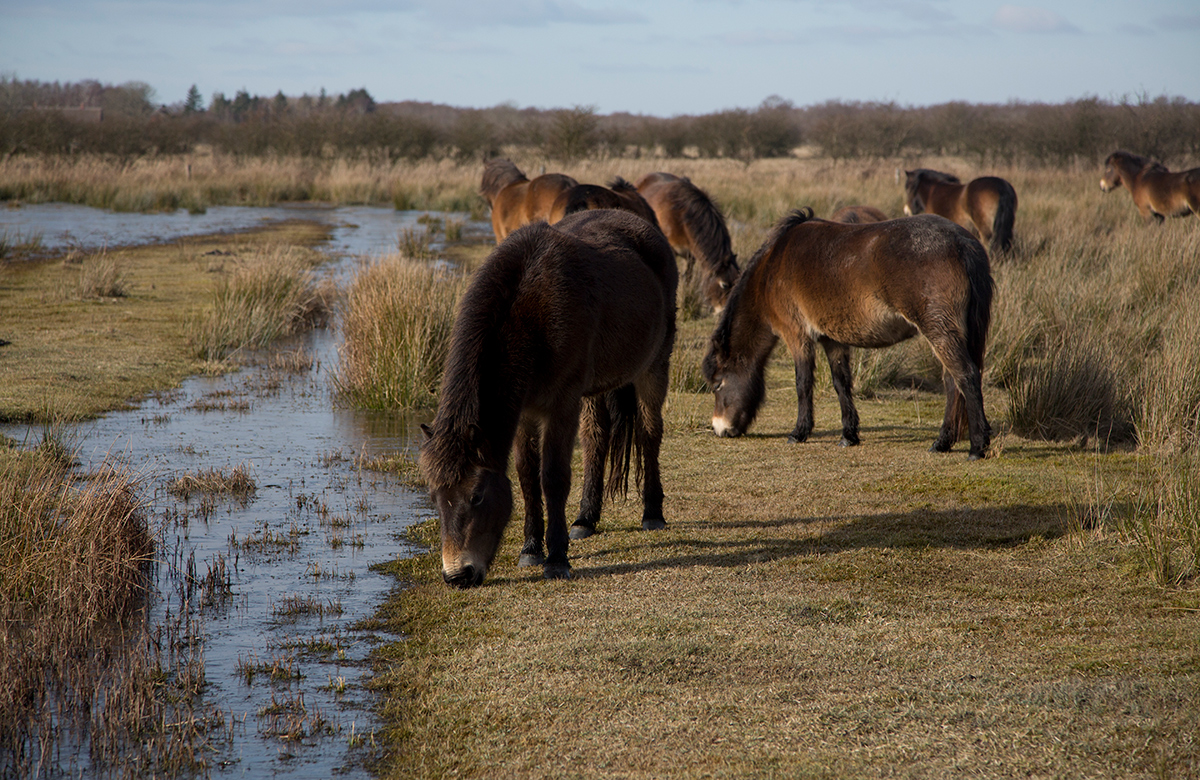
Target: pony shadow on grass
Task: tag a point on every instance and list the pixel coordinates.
(960, 528)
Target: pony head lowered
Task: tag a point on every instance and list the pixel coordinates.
(498, 174)
(736, 377)
(914, 200)
(709, 235)
(464, 458)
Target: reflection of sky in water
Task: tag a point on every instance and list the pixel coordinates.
(296, 443)
(357, 230)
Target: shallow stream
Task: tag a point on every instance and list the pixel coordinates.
(288, 570)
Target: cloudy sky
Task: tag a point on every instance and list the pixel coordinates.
(661, 57)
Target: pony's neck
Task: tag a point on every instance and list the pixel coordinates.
(750, 333)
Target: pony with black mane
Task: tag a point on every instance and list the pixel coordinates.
(1156, 191)
(565, 329)
(841, 286)
(515, 200)
(619, 194)
(696, 229)
(987, 206)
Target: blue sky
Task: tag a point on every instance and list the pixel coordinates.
(662, 58)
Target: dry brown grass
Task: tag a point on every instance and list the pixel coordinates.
(879, 611)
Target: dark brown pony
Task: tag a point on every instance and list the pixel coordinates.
(986, 206)
(515, 200)
(696, 229)
(573, 318)
(858, 215)
(619, 194)
(842, 286)
(1156, 192)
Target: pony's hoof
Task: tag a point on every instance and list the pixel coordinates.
(531, 559)
(848, 442)
(654, 524)
(938, 446)
(559, 571)
(581, 531)
(977, 456)
(794, 438)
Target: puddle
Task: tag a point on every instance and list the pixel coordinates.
(357, 230)
(295, 557)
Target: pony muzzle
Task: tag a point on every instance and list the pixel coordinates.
(724, 429)
(463, 571)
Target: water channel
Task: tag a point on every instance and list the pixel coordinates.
(282, 661)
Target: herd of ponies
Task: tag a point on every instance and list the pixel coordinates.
(567, 329)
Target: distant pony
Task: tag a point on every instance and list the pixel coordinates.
(1156, 192)
(619, 194)
(987, 205)
(696, 229)
(515, 200)
(858, 215)
(839, 286)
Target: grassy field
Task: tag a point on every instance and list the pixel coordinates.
(810, 610)
(813, 611)
(90, 333)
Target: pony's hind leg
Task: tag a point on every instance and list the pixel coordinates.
(558, 442)
(964, 400)
(651, 394)
(528, 463)
(594, 424)
(843, 383)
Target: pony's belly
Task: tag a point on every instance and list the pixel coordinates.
(869, 333)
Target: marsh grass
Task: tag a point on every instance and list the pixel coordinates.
(16, 245)
(75, 554)
(237, 482)
(102, 276)
(396, 324)
(267, 295)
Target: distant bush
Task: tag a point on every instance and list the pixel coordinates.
(38, 118)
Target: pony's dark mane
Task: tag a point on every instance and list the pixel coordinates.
(723, 335)
(498, 174)
(704, 223)
(1138, 160)
(476, 354)
(629, 192)
(937, 176)
(618, 184)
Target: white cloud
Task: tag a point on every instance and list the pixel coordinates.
(1023, 19)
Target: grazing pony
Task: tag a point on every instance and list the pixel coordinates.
(696, 229)
(841, 286)
(561, 320)
(858, 215)
(515, 200)
(1156, 192)
(987, 206)
(619, 194)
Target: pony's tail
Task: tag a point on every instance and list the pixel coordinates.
(1002, 223)
(979, 320)
(624, 445)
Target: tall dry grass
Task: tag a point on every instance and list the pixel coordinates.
(396, 321)
(197, 181)
(267, 294)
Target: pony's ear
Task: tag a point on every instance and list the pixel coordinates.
(425, 429)
(477, 444)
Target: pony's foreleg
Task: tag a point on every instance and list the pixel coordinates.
(804, 355)
(528, 463)
(843, 383)
(558, 442)
(594, 423)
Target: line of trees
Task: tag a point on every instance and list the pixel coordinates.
(1083, 130)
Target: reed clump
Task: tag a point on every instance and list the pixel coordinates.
(74, 559)
(268, 294)
(396, 321)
